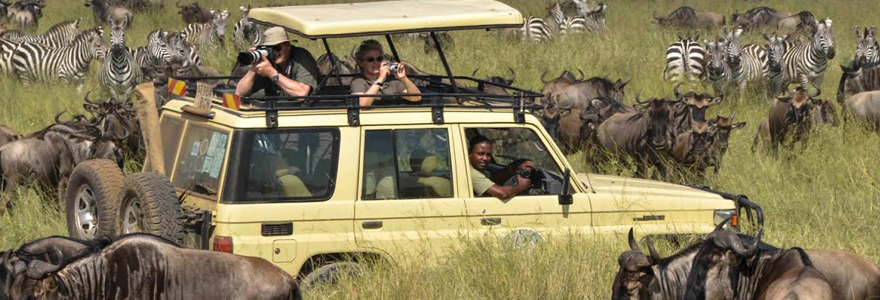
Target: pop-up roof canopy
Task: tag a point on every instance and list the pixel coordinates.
(388, 17)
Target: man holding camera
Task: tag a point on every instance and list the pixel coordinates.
(278, 68)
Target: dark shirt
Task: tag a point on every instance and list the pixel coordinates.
(301, 68)
(391, 86)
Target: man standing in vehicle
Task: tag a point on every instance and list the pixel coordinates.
(293, 72)
(479, 155)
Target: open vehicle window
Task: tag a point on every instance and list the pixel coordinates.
(288, 165)
(201, 160)
(171, 130)
(512, 144)
(421, 169)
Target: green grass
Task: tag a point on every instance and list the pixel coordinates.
(825, 196)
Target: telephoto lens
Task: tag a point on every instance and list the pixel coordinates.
(248, 58)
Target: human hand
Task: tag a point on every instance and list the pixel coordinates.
(527, 164)
(401, 72)
(384, 70)
(522, 181)
(264, 68)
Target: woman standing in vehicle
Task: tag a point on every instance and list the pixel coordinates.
(374, 73)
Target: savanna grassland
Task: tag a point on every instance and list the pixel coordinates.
(824, 196)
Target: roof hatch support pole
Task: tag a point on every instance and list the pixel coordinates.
(335, 70)
(391, 46)
(445, 63)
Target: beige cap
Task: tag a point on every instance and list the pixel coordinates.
(274, 36)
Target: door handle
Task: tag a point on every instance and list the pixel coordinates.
(372, 224)
(490, 221)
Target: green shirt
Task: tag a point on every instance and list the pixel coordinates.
(482, 183)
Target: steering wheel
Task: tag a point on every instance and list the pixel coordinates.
(537, 176)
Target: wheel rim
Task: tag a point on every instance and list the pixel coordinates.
(86, 216)
(133, 220)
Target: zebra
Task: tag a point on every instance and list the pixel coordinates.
(594, 15)
(155, 55)
(555, 19)
(245, 33)
(535, 30)
(119, 72)
(204, 34)
(777, 46)
(58, 35)
(867, 49)
(35, 62)
(685, 60)
(806, 62)
(745, 66)
(182, 51)
(717, 69)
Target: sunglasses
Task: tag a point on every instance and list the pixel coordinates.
(374, 59)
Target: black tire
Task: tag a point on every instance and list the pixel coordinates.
(93, 188)
(149, 205)
(328, 273)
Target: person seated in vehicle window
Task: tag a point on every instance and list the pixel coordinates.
(374, 80)
(479, 155)
(292, 73)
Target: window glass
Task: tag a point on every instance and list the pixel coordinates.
(171, 130)
(201, 159)
(510, 144)
(421, 168)
(297, 164)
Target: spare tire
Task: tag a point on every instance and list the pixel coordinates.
(149, 205)
(91, 199)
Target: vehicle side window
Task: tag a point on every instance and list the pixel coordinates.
(421, 169)
(517, 144)
(201, 159)
(171, 130)
(291, 165)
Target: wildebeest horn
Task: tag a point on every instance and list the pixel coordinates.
(633, 245)
(625, 82)
(818, 91)
(720, 226)
(639, 100)
(655, 257)
(512, 74)
(545, 81)
(474, 74)
(582, 75)
(58, 116)
(178, 4)
(740, 249)
(677, 92)
(89, 101)
(38, 269)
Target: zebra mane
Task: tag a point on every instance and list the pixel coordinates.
(85, 35)
(61, 26)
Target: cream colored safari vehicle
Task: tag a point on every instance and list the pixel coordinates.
(311, 182)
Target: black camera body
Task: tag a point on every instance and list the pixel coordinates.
(253, 57)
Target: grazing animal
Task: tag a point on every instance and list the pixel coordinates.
(757, 17)
(745, 66)
(578, 96)
(691, 149)
(691, 108)
(245, 33)
(155, 55)
(534, 29)
(8, 135)
(687, 17)
(119, 70)
(585, 18)
(60, 34)
(26, 13)
(856, 80)
(721, 128)
(802, 22)
(557, 84)
(445, 39)
(206, 34)
(867, 49)
(685, 60)
(777, 46)
(33, 62)
(325, 67)
(865, 107)
(718, 72)
(789, 117)
(645, 135)
(555, 18)
(104, 11)
(193, 13)
(599, 110)
(493, 89)
(806, 62)
(162, 269)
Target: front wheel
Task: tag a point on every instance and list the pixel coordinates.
(150, 205)
(90, 197)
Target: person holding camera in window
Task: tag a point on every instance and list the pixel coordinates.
(277, 68)
(373, 79)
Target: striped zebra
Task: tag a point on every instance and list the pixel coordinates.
(776, 47)
(206, 34)
(867, 49)
(806, 63)
(7, 48)
(594, 15)
(555, 20)
(245, 33)
(119, 71)
(33, 62)
(181, 50)
(58, 35)
(745, 66)
(685, 60)
(717, 69)
(535, 30)
(155, 55)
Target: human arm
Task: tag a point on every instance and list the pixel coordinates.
(410, 87)
(287, 85)
(505, 192)
(374, 88)
(245, 86)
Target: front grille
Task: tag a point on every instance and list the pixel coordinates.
(277, 229)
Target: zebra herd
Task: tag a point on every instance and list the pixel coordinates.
(727, 64)
(582, 17)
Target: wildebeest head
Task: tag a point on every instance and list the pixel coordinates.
(776, 48)
(723, 126)
(659, 136)
(721, 257)
(565, 79)
(635, 275)
(697, 104)
(867, 48)
(550, 116)
(496, 90)
(823, 38)
(715, 64)
(800, 105)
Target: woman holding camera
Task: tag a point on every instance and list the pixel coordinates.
(374, 76)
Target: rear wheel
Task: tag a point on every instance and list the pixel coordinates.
(150, 205)
(330, 273)
(90, 197)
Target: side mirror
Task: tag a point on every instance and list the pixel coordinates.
(565, 195)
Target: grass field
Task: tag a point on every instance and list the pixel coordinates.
(826, 196)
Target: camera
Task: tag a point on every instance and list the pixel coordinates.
(394, 67)
(251, 57)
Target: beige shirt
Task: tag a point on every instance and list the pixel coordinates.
(482, 183)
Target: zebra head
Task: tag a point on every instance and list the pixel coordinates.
(823, 38)
(715, 63)
(117, 36)
(157, 46)
(93, 41)
(776, 48)
(866, 47)
(734, 47)
(592, 12)
(219, 22)
(555, 11)
(178, 48)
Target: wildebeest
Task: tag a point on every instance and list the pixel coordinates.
(103, 12)
(857, 79)
(343, 67)
(599, 110)
(493, 89)
(26, 13)
(802, 22)
(865, 107)
(446, 41)
(692, 108)
(645, 135)
(722, 127)
(565, 79)
(7, 135)
(686, 16)
(139, 266)
(193, 13)
(578, 96)
(789, 117)
(691, 148)
(757, 17)
(649, 276)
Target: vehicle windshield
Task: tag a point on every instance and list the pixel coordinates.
(201, 160)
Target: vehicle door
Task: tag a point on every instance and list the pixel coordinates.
(407, 203)
(534, 214)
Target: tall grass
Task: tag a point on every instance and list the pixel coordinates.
(824, 196)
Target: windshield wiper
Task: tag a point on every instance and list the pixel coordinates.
(202, 189)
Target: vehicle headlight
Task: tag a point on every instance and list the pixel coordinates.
(721, 215)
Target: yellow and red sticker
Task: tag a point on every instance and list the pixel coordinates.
(176, 87)
(231, 101)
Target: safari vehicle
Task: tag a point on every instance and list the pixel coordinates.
(306, 182)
